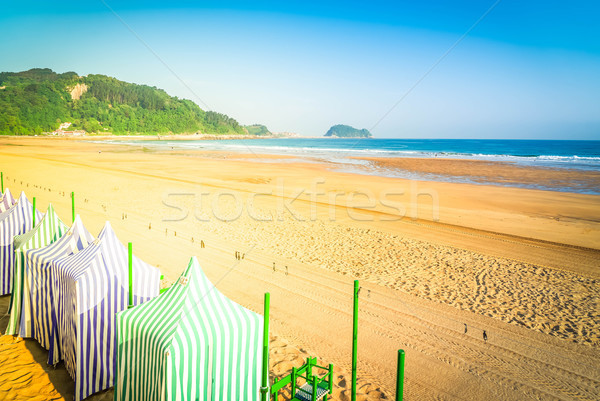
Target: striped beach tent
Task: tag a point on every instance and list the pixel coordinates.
(6, 201)
(14, 221)
(49, 229)
(37, 268)
(90, 287)
(189, 343)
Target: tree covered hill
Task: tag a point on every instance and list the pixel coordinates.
(39, 100)
(346, 131)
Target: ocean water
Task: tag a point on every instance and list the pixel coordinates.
(566, 154)
(576, 155)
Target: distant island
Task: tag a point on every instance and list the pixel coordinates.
(346, 131)
(257, 129)
(41, 101)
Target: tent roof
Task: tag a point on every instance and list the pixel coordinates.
(65, 245)
(49, 224)
(77, 264)
(190, 295)
(17, 219)
(6, 200)
(107, 244)
(17, 204)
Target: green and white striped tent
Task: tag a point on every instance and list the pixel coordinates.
(189, 343)
(48, 230)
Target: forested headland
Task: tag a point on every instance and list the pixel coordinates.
(39, 100)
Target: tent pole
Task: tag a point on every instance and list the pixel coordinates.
(400, 376)
(33, 212)
(73, 205)
(130, 246)
(354, 340)
(264, 390)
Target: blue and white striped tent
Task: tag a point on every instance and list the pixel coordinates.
(38, 267)
(14, 221)
(90, 287)
(189, 343)
(6, 201)
(46, 231)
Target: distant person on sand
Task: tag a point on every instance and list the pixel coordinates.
(465, 328)
(484, 336)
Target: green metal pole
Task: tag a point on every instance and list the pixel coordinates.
(130, 249)
(264, 390)
(330, 378)
(73, 206)
(400, 376)
(2, 179)
(354, 340)
(293, 382)
(33, 211)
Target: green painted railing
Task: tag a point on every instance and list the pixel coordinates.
(305, 372)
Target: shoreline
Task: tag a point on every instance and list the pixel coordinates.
(550, 207)
(435, 169)
(178, 137)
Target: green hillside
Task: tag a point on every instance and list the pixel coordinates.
(38, 100)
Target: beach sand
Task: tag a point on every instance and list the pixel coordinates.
(521, 264)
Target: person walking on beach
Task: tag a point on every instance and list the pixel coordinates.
(484, 336)
(465, 328)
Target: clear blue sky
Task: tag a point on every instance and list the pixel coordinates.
(527, 70)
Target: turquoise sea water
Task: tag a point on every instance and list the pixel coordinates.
(577, 155)
(567, 154)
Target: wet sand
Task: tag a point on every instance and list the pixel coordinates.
(501, 173)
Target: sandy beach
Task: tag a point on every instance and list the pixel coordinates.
(438, 263)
